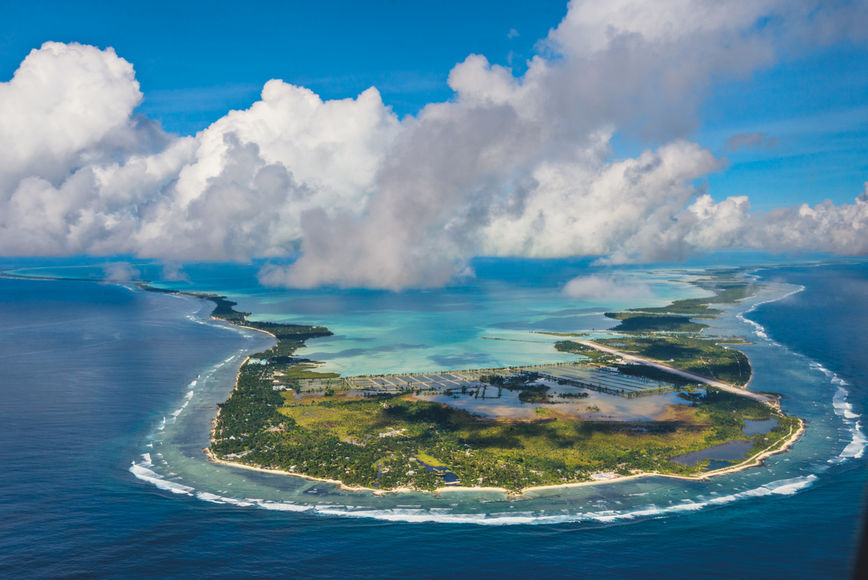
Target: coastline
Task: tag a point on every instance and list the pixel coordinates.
(753, 461)
(237, 373)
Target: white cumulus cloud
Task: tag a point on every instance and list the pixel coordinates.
(510, 166)
(608, 287)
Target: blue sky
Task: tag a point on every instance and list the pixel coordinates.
(605, 147)
(816, 107)
(197, 60)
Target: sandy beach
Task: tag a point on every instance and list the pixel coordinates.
(753, 461)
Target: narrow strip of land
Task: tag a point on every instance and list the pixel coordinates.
(760, 397)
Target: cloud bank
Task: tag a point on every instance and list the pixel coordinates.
(609, 287)
(510, 166)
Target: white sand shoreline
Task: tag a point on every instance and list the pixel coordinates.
(753, 461)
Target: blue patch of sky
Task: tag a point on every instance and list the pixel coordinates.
(197, 60)
(814, 110)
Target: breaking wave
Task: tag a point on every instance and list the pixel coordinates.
(143, 470)
(855, 449)
(758, 329)
(191, 391)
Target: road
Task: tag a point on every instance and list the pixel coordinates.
(768, 400)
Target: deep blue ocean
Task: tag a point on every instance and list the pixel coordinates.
(90, 372)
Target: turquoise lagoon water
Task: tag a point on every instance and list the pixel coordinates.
(494, 321)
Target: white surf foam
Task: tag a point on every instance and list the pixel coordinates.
(196, 319)
(855, 448)
(758, 329)
(187, 398)
(143, 471)
(214, 498)
(782, 487)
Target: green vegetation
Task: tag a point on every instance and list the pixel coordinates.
(428, 460)
(611, 360)
(703, 356)
(654, 374)
(225, 309)
(302, 370)
(727, 412)
(726, 286)
(290, 337)
(592, 354)
(580, 395)
(635, 322)
(534, 394)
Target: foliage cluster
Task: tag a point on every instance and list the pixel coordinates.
(703, 356)
(592, 354)
(726, 287)
(636, 322)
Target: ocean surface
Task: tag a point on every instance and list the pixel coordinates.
(107, 393)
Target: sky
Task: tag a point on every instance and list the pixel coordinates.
(386, 144)
(197, 60)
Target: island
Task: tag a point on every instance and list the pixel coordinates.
(657, 397)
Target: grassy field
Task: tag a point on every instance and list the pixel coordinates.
(303, 370)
